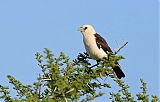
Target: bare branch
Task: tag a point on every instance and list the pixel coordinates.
(120, 48)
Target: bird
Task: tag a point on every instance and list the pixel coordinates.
(97, 48)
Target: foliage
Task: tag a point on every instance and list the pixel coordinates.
(63, 80)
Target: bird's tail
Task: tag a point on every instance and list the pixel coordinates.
(118, 71)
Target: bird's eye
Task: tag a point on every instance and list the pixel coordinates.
(85, 28)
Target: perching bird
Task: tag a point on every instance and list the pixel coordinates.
(97, 47)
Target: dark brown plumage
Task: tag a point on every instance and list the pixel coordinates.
(101, 43)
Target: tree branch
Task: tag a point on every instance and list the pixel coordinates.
(120, 48)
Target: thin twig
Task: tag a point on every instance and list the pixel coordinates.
(94, 65)
(43, 78)
(69, 90)
(39, 91)
(65, 98)
(89, 86)
(55, 89)
(120, 48)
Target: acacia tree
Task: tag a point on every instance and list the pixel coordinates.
(63, 80)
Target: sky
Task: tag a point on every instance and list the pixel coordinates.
(29, 26)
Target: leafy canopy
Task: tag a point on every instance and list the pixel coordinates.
(62, 80)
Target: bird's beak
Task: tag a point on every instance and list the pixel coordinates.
(81, 29)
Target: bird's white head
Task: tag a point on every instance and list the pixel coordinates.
(87, 29)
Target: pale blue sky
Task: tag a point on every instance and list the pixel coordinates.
(28, 26)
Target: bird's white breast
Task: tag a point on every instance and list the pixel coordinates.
(92, 48)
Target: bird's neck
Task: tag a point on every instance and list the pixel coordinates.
(89, 39)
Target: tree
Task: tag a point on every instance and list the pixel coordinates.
(63, 80)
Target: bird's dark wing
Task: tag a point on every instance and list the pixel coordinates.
(101, 43)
